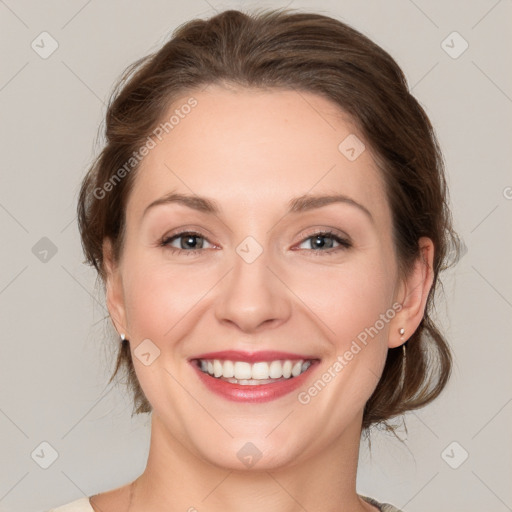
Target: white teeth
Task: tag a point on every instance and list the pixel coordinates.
(242, 370)
(297, 368)
(260, 371)
(245, 373)
(276, 370)
(287, 369)
(305, 366)
(229, 369)
(217, 368)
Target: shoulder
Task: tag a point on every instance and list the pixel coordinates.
(383, 507)
(80, 505)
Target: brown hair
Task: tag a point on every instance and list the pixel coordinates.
(308, 52)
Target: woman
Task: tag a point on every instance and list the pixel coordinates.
(269, 219)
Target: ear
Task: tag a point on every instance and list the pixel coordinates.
(412, 295)
(114, 289)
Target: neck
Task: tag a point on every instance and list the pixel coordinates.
(176, 479)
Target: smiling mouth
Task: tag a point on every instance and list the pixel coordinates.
(253, 374)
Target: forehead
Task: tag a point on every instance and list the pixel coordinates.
(261, 147)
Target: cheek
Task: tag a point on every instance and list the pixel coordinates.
(161, 296)
(346, 299)
(163, 304)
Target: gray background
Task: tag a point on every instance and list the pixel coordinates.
(55, 362)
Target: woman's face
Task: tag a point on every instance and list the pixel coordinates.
(256, 277)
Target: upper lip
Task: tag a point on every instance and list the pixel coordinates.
(253, 357)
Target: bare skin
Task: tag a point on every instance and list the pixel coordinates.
(252, 151)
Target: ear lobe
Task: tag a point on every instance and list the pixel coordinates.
(113, 288)
(413, 295)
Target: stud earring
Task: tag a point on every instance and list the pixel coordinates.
(123, 337)
(401, 331)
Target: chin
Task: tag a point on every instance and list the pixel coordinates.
(250, 455)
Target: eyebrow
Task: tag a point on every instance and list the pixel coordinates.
(296, 205)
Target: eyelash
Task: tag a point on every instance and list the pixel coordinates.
(344, 243)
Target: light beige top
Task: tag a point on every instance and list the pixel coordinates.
(83, 505)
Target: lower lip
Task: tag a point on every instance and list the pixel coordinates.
(257, 393)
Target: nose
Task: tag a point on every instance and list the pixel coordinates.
(252, 296)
